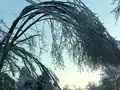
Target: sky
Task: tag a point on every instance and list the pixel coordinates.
(9, 10)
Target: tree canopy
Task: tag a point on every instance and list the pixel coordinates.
(78, 30)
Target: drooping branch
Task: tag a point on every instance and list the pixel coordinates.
(89, 33)
(80, 32)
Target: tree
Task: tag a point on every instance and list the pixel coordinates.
(67, 87)
(80, 32)
(110, 79)
(116, 10)
(92, 86)
(41, 82)
(6, 82)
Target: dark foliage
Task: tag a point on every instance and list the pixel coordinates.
(80, 32)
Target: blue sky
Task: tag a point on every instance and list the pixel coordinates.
(9, 9)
